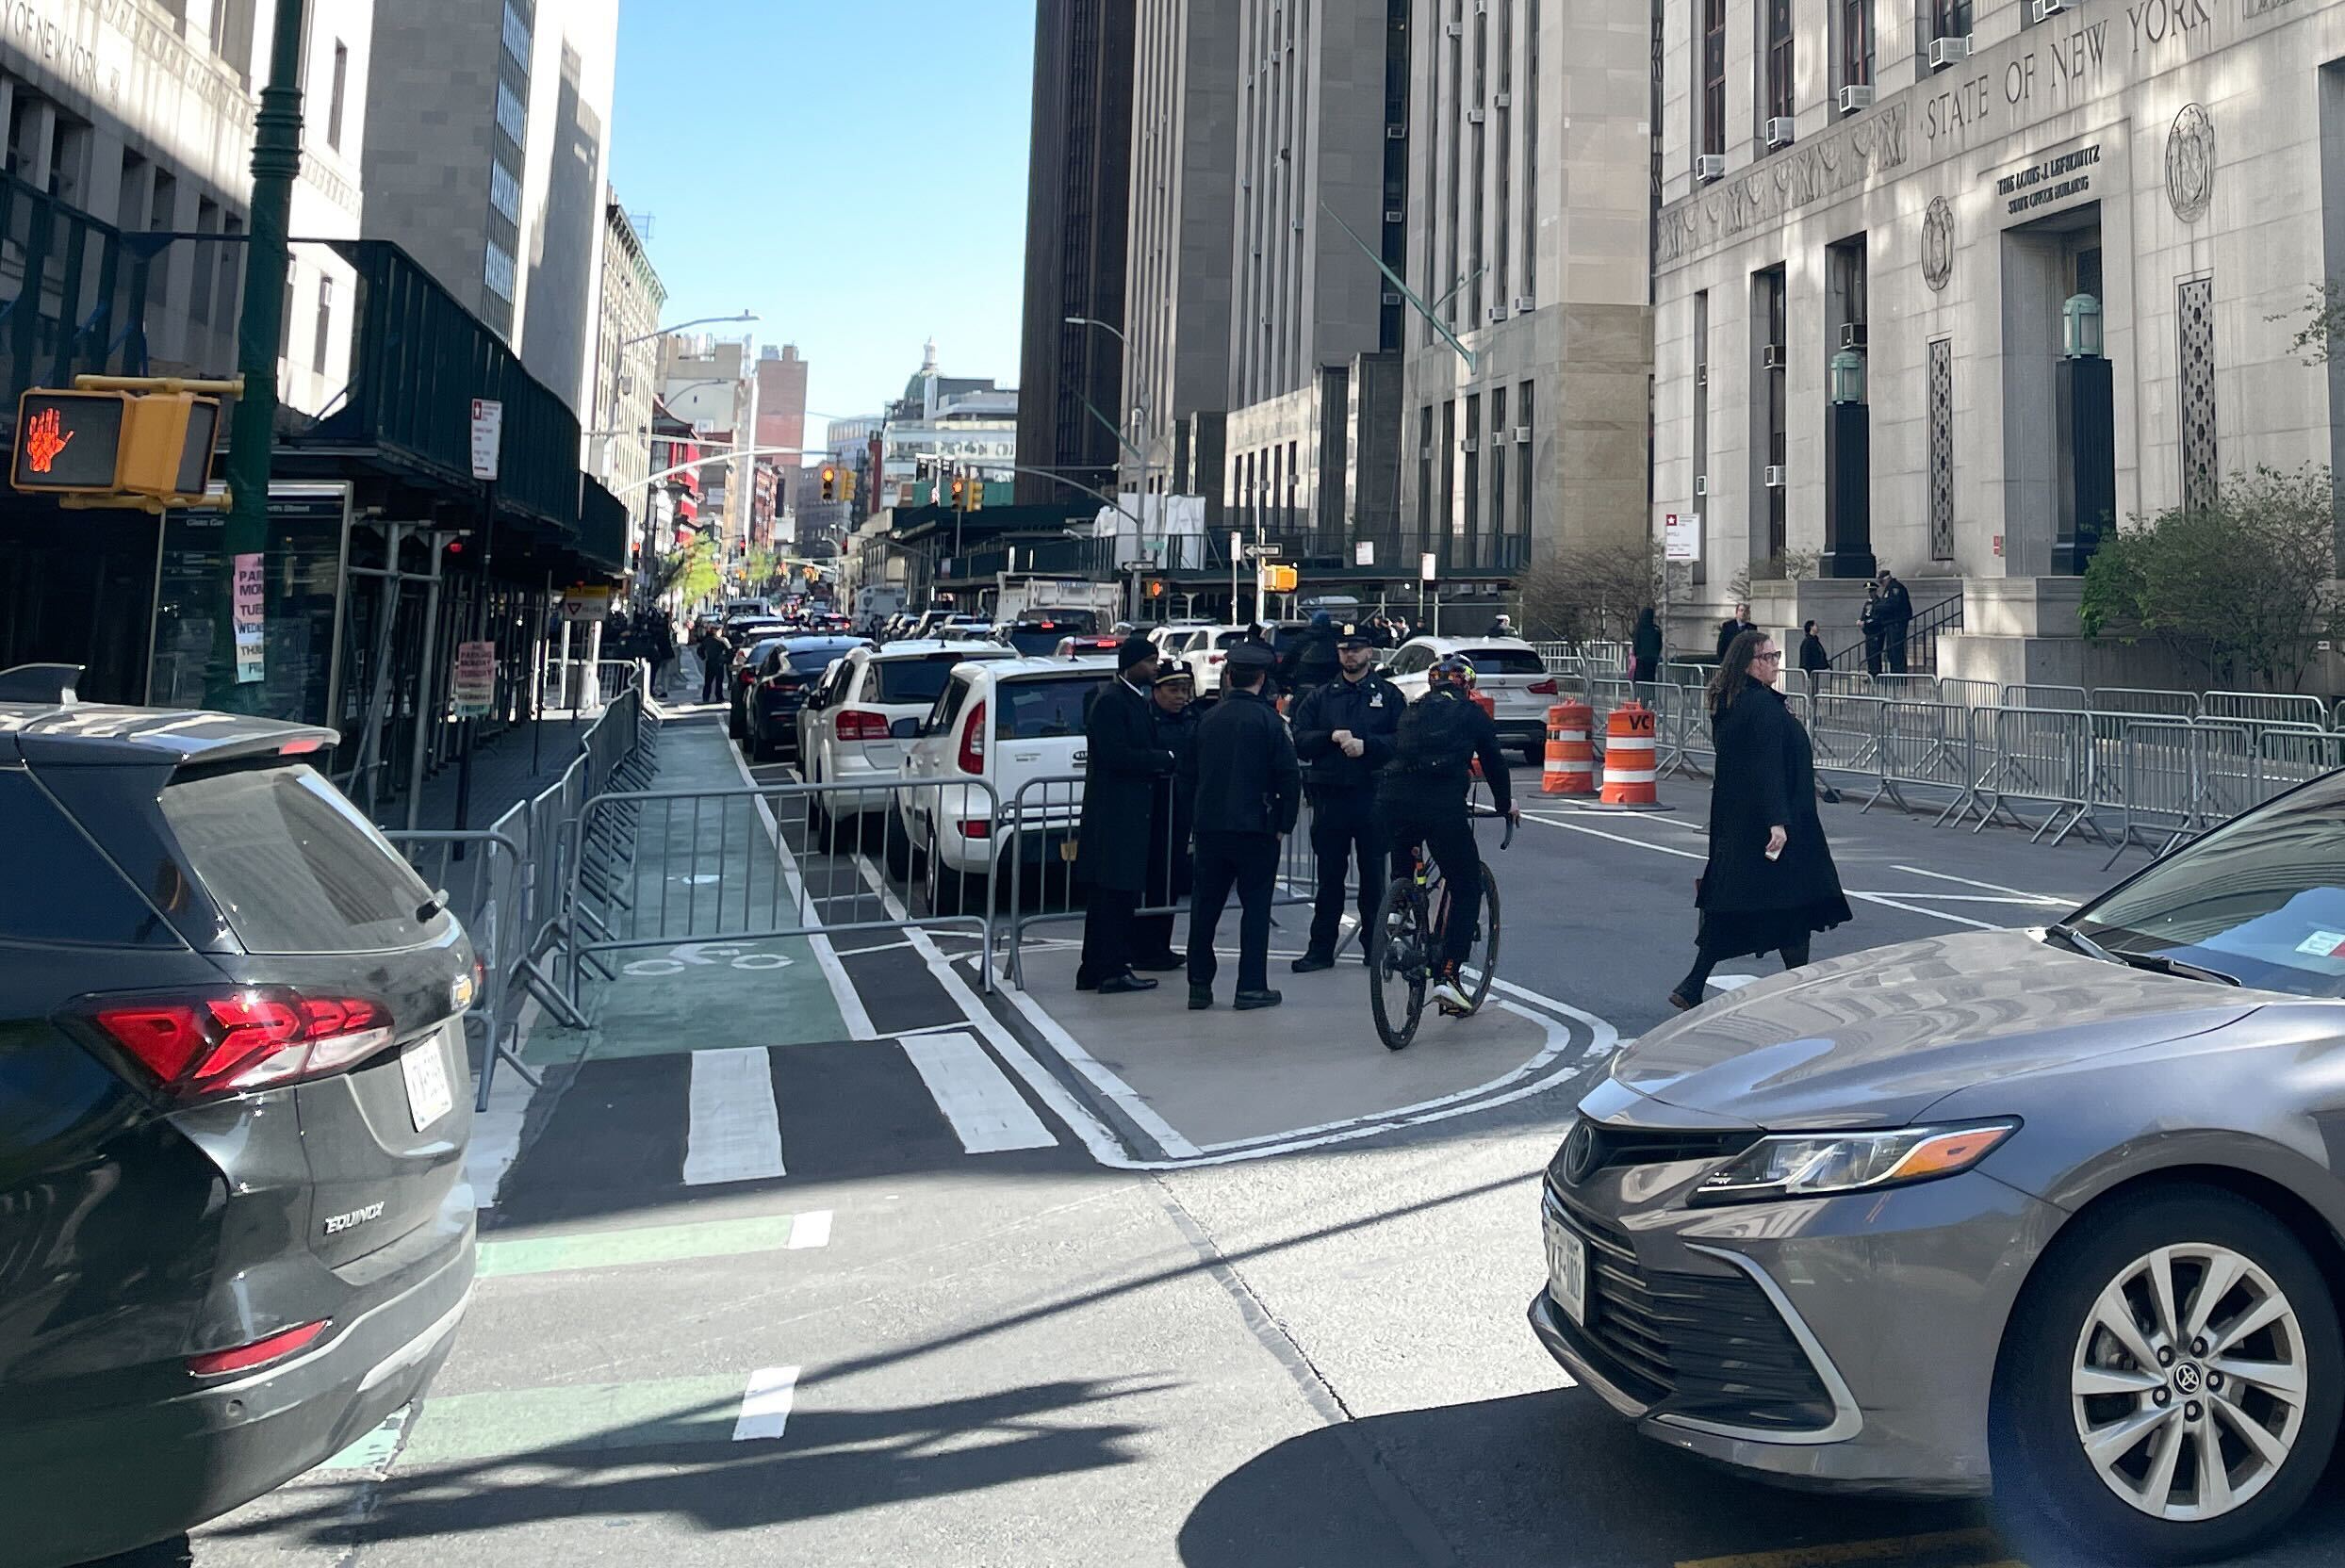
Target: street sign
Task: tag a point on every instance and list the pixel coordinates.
(1681, 535)
(476, 679)
(488, 432)
(586, 602)
(1364, 554)
(1427, 567)
(249, 618)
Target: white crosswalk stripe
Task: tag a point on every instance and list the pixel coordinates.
(987, 1112)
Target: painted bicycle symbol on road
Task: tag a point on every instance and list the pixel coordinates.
(686, 955)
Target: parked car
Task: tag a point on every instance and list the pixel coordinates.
(1506, 669)
(1202, 651)
(747, 656)
(847, 728)
(2060, 1208)
(1043, 632)
(1004, 723)
(235, 1231)
(1078, 648)
(783, 672)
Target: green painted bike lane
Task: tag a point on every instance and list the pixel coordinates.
(703, 868)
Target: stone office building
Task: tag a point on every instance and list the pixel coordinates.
(1955, 288)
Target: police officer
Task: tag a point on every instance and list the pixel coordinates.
(1169, 824)
(1124, 768)
(1249, 791)
(1343, 734)
(1424, 801)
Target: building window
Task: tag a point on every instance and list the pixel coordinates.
(1856, 42)
(2194, 306)
(1530, 150)
(1424, 475)
(1949, 19)
(513, 115)
(1942, 449)
(1778, 93)
(336, 95)
(203, 255)
(498, 272)
(1500, 435)
(1446, 286)
(1522, 480)
(1473, 474)
(1479, 170)
(504, 191)
(326, 325)
(1505, 112)
(517, 37)
(1769, 321)
(1449, 472)
(1714, 76)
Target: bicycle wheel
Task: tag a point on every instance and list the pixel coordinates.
(1482, 959)
(1397, 964)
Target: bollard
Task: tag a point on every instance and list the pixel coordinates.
(1571, 756)
(1629, 778)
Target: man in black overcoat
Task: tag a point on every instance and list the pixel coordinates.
(1123, 765)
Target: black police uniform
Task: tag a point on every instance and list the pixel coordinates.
(1169, 826)
(1249, 791)
(1422, 796)
(1343, 796)
(1122, 767)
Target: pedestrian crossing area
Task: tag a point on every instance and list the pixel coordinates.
(725, 1117)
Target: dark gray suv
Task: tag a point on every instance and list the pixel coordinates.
(235, 1233)
(2055, 1212)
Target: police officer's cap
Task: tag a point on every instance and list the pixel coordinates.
(1175, 675)
(1248, 654)
(1354, 637)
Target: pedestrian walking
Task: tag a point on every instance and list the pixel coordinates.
(1311, 663)
(1249, 791)
(1343, 736)
(716, 659)
(1122, 768)
(1645, 647)
(662, 652)
(1814, 661)
(1769, 884)
(1170, 823)
(1896, 617)
(1733, 627)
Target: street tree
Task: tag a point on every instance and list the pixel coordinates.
(2240, 589)
(1591, 593)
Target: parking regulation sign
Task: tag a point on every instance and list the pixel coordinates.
(476, 679)
(488, 432)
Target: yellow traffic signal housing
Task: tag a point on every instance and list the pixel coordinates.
(977, 493)
(167, 444)
(1279, 580)
(831, 484)
(846, 486)
(69, 443)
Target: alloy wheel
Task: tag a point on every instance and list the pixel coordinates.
(2189, 1381)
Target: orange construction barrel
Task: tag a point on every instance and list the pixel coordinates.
(1571, 750)
(1489, 705)
(1629, 778)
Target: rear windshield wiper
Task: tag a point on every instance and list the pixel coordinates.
(2150, 961)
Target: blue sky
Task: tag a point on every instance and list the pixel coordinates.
(853, 172)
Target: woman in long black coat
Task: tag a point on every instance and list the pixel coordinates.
(1770, 883)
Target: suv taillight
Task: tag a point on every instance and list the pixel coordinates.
(861, 724)
(229, 1042)
(1542, 688)
(973, 741)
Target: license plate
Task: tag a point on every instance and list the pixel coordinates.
(425, 1064)
(1566, 1270)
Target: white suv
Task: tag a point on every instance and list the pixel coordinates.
(1004, 723)
(1202, 651)
(853, 727)
(1506, 669)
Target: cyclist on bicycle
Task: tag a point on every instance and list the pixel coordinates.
(1423, 798)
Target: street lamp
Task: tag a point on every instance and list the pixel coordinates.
(1093, 321)
(686, 326)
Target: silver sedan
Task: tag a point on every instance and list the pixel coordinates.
(2050, 1213)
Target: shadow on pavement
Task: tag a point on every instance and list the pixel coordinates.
(829, 1463)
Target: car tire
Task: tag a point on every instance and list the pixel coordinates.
(2057, 1335)
(896, 847)
(1534, 754)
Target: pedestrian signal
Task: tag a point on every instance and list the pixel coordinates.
(69, 443)
(1278, 580)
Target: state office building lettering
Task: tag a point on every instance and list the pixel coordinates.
(2053, 180)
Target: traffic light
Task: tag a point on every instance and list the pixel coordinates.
(977, 492)
(830, 483)
(960, 492)
(153, 444)
(846, 486)
(167, 444)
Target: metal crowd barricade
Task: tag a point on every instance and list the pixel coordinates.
(2063, 699)
(2267, 708)
(1926, 745)
(2180, 779)
(1039, 831)
(1960, 692)
(1845, 733)
(2287, 758)
(2041, 756)
(704, 898)
(2147, 702)
(488, 893)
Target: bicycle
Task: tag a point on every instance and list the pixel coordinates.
(1405, 944)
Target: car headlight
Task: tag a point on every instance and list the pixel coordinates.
(1804, 1165)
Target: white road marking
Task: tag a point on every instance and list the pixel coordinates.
(987, 1113)
(736, 1129)
(1615, 838)
(765, 1408)
(850, 1003)
(1144, 1115)
(2061, 899)
(811, 1229)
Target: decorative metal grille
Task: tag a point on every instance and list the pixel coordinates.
(1942, 449)
(2195, 310)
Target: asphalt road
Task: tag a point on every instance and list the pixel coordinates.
(941, 1325)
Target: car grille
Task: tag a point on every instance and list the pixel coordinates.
(1592, 1146)
(1710, 1347)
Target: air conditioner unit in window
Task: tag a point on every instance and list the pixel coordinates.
(1396, 133)
(1473, 117)
(1395, 215)
(1524, 303)
(1710, 166)
(1503, 101)
(1949, 51)
(2046, 9)
(1392, 297)
(1702, 484)
(1522, 432)
(1854, 97)
(1778, 130)
(1775, 476)
(1424, 454)
(1473, 445)
(1456, 29)
(1852, 335)
(1497, 313)
(1772, 356)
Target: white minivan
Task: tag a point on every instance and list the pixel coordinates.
(851, 731)
(1004, 723)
